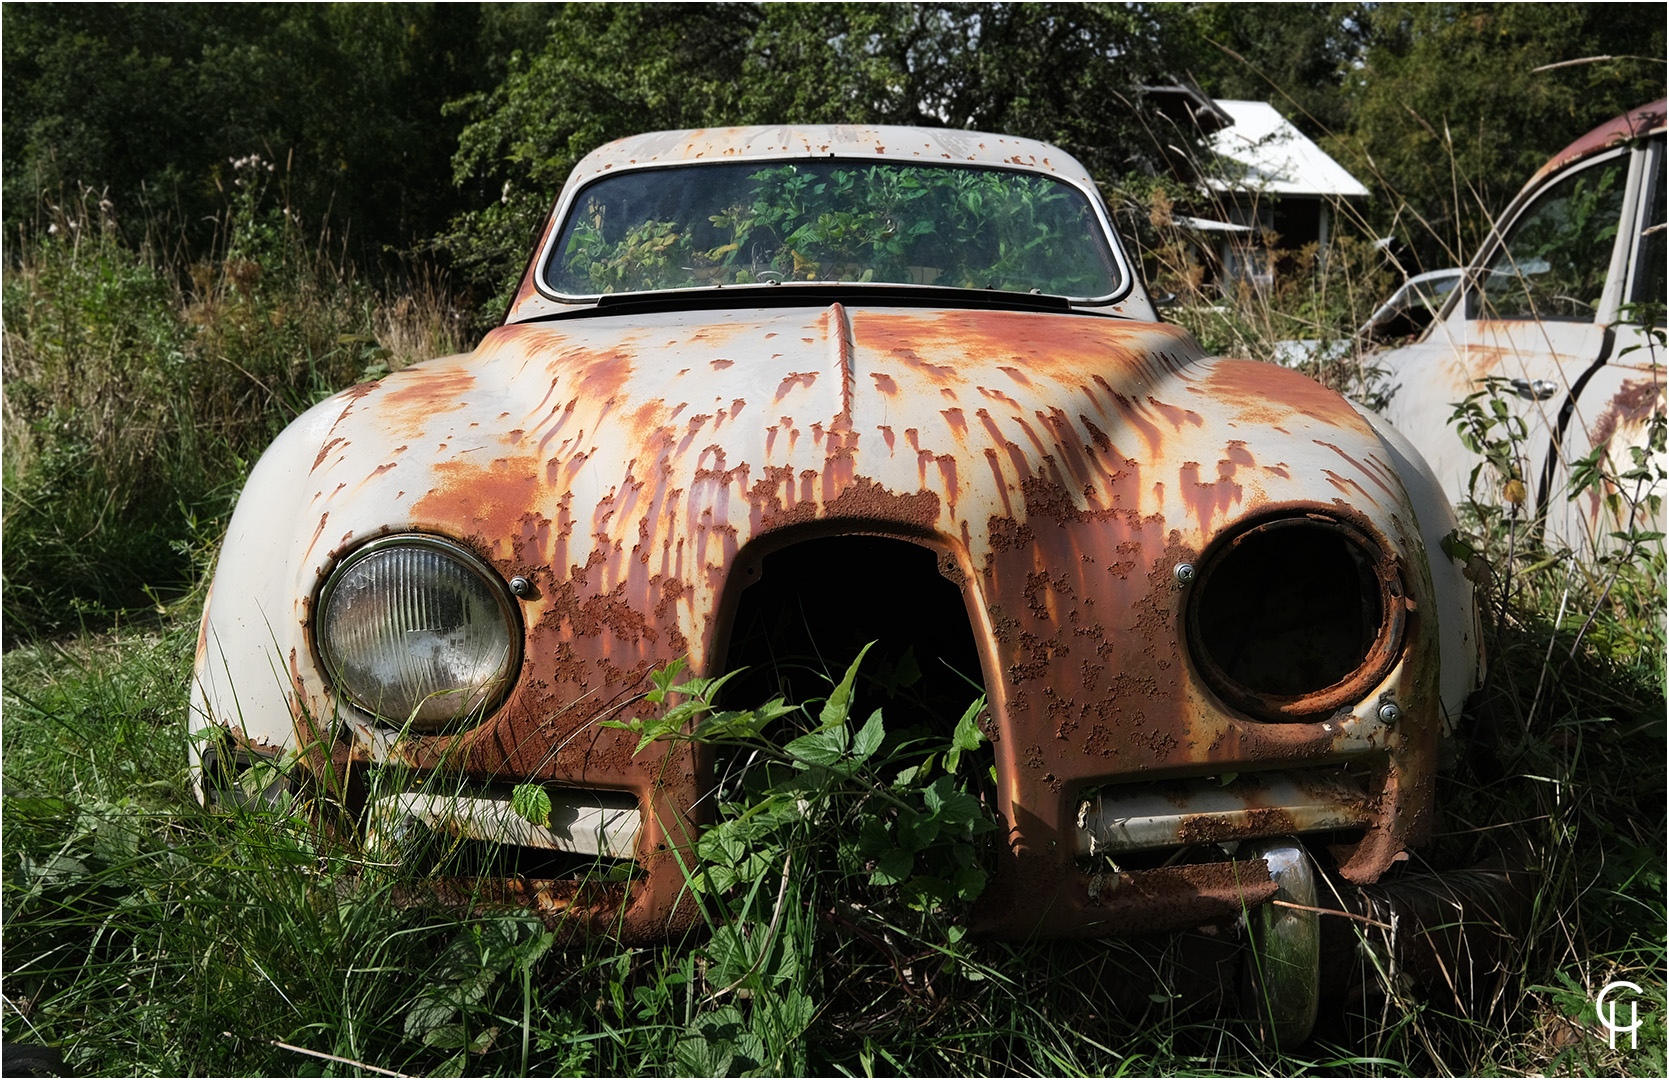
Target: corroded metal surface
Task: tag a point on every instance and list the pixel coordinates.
(1212, 812)
(1065, 464)
(1630, 125)
(1124, 902)
(1060, 465)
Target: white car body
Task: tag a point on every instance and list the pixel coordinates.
(1579, 373)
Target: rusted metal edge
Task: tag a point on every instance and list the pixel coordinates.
(1144, 817)
(1128, 902)
(578, 824)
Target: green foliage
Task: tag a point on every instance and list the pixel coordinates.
(1308, 318)
(1065, 73)
(1567, 736)
(597, 72)
(1297, 56)
(532, 803)
(1049, 71)
(139, 391)
(849, 797)
(966, 228)
(147, 104)
(134, 404)
(140, 930)
(1491, 429)
(1439, 109)
(1450, 115)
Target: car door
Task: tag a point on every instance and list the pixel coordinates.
(1536, 321)
(1619, 401)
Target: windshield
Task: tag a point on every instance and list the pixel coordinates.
(831, 221)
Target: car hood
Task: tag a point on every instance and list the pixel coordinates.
(622, 466)
(681, 436)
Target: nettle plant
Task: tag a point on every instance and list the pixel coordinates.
(1631, 489)
(844, 825)
(1620, 576)
(893, 811)
(1491, 429)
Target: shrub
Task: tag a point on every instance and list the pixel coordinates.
(139, 389)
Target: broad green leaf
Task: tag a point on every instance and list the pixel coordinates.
(966, 736)
(794, 1013)
(663, 678)
(532, 803)
(969, 882)
(874, 835)
(954, 808)
(1455, 547)
(824, 747)
(840, 701)
(893, 867)
(700, 1055)
(869, 738)
(426, 1015)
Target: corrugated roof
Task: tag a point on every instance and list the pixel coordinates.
(1277, 158)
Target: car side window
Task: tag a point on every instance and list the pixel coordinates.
(1651, 284)
(1554, 261)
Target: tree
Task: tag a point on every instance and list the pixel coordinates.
(148, 103)
(1453, 106)
(1067, 73)
(596, 72)
(1298, 56)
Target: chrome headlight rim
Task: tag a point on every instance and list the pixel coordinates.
(1379, 657)
(479, 706)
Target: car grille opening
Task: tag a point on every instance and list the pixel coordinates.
(810, 607)
(1296, 616)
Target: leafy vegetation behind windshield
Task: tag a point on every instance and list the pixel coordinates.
(1555, 262)
(712, 225)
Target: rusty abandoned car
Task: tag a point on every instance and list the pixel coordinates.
(898, 375)
(1560, 318)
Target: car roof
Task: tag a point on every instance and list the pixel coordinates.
(917, 144)
(1630, 125)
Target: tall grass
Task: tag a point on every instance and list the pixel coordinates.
(141, 384)
(145, 936)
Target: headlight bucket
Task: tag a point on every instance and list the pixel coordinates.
(1294, 617)
(418, 631)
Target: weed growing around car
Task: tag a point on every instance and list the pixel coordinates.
(141, 385)
(145, 936)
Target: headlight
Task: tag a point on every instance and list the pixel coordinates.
(417, 630)
(1294, 617)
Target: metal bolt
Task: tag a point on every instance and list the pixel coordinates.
(1389, 712)
(1184, 573)
(520, 586)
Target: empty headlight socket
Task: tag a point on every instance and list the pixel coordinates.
(1290, 618)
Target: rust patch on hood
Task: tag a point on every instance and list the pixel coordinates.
(1268, 394)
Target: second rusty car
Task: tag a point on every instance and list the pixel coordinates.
(907, 382)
